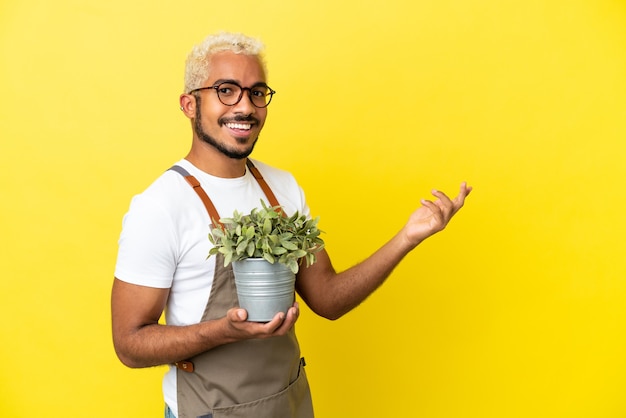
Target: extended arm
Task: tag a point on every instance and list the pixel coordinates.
(140, 341)
(331, 294)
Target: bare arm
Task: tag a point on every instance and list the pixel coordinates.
(140, 341)
(331, 294)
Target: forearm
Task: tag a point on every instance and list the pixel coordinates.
(140, 341)
(332, 294)
(157, 344)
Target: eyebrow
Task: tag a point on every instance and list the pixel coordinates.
(229, 80)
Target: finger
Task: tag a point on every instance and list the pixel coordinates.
(237, 315)
(465, 189)
(286, 320)
(292, 313)
(429, 203)
(275, 323)
(459, 200)
(447, 206)
(441, 195)
(292, 316)
(296, 308)
(435, 210)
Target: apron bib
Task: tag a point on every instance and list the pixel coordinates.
(260, 378)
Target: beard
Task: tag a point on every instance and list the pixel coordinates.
(230, 153)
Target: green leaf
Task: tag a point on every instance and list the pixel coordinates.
(286, 236)
(267, 227)
(241, 247)
(250, 249)
(293, 265)
(279, 250)
(299, 253)
(289, 245)
(268, 233)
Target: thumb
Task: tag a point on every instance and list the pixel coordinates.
(237, 315)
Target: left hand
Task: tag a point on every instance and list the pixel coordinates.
(433, 216)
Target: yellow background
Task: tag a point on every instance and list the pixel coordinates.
(517, 310)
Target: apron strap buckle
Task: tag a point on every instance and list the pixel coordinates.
(185, 366)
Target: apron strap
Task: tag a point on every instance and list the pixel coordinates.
(195, 184)
(259, 178)
(208, 204)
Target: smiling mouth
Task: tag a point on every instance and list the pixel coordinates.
(239, 126)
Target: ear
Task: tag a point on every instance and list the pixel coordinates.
(188, 105)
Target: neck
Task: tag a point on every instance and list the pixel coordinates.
(216, 164)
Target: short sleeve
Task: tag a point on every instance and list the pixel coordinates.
(147, 245)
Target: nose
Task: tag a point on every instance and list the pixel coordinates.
(245, 105)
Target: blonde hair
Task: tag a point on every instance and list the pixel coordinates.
(197, 66)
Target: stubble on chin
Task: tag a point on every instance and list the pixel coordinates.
(221, 147)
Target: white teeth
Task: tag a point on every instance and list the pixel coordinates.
(245, 126)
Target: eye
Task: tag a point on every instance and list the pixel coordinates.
(226, 90)
(259, 92)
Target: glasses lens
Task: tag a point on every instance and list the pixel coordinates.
(260, 96)
(228, 93)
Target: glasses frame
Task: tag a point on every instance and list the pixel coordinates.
(217, 86)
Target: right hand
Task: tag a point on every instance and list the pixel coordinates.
(278, 326)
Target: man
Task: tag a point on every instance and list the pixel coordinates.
(220, 363)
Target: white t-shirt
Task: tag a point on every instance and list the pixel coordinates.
(164, 241)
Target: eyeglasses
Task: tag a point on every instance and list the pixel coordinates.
(230, 93)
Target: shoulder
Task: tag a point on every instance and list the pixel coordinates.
(169, 202)
(275, 175)
(284, 185)
(166, 192)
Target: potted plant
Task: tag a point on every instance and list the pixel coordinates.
(266, 248)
